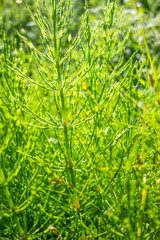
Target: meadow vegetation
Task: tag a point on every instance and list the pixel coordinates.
(79, 130)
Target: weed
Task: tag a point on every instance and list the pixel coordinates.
(79, 132)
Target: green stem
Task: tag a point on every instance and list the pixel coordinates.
(69, 163)
(11, 206)
(54, 18)
(146, 45)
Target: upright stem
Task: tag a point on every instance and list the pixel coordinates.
(69, 163)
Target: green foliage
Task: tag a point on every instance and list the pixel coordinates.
(79, 131)
(150, 16)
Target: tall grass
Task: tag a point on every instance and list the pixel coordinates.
(79, 132)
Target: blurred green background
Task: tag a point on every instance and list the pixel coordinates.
(149, 13)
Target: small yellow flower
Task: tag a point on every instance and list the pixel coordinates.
(84, 86)
(96, 108)
(88, 112)
(77, 205)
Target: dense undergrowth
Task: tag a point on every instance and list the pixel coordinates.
(80, 128)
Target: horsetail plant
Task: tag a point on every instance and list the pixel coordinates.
(53, 33)
(79, 141)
